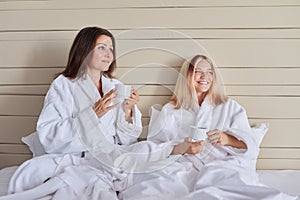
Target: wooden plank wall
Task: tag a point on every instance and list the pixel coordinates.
(255, 44)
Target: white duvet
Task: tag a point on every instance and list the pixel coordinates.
(217, 172)
(146, 171)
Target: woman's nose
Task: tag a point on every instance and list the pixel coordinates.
(203, 74)
(107, 53)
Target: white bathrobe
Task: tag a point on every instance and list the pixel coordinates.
(230, 117)
(145, 170)
(68, 126)
(217, 172)
(68, 111)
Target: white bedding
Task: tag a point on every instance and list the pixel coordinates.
(287, 181)
(5, 175)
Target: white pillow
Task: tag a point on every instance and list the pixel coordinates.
(157, 120)
(34, 144)
(260, 130)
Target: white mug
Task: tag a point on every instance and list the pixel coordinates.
(198, 133)
(123, 92)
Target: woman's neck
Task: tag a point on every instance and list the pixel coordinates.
(201, 97)
(95, 75)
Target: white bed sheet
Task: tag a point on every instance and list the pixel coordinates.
(287, 181)
(5, 175)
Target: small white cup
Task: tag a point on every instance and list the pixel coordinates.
(198, 133)
(123, 92)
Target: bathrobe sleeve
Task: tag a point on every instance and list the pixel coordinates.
(163, 126)
(127, 133)
(56, 126)
(240, 128)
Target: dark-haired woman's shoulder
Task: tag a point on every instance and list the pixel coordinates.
(60, 86)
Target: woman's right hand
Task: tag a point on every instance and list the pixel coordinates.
(188, 147)
(102, 106)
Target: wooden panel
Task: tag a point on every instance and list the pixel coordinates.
(162, 90)
(270, 107)
(263, 90)
(37, 54)
(202, 33)
(257, 76)
(283, 153)
(154, 90)
(231, 90)
(282, 132)
(14, 149)
(197, 33)
(147, 101)
(228, 17)
(161, 75)
(24, 89)
(28, 76)
(63, 4)
(15, 127)
(225, 52)
(133, 53)
(257, 107)
(258, 60)
(21, 105)
(278, 164)
(253, 76)
(8, 160)
(159, 33)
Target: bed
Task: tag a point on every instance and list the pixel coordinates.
(287, 181)
(260, 82)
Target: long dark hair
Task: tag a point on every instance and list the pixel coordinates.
(83, 44)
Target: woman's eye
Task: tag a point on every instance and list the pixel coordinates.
(204, 72)
(111, 49)
(101, 47)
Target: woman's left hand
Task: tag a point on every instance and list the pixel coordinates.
(129, 103)
(217, 137)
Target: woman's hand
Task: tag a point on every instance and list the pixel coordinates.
(129, 104)
(102, 106)
(219, 138)
(188, 147)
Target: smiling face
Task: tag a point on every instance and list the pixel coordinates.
(102, 55)
(203, 76)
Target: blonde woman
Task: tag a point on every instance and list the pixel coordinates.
(199, 101)
(212, 140)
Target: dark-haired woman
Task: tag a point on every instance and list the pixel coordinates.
(83, 94)
(80, 127)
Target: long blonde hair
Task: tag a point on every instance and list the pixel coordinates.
(185, 95)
